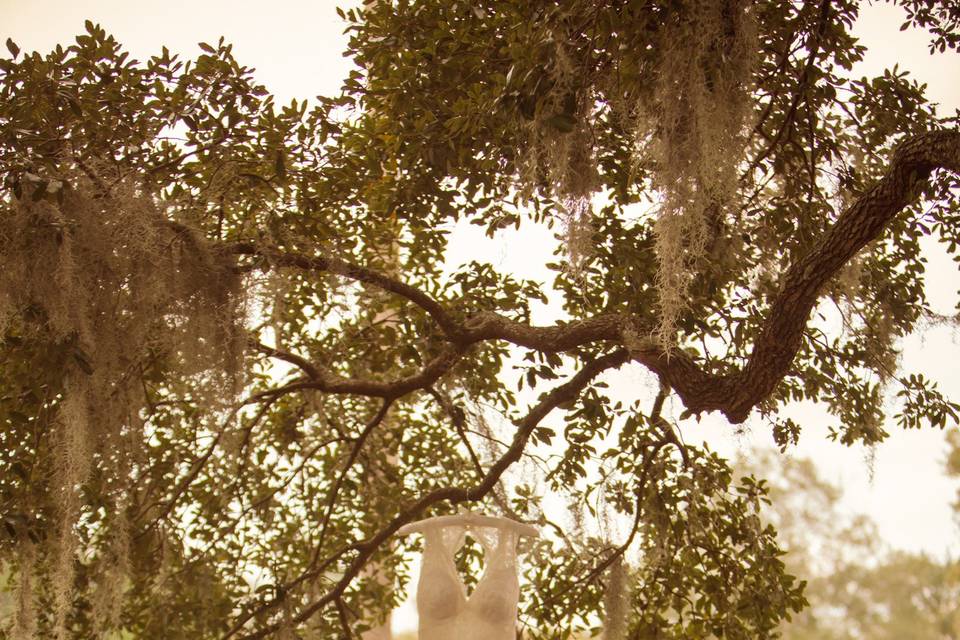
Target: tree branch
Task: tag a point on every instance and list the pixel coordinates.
(353, 272)
(733, 394)
(453, 495)
(338, 483)
(305, 365)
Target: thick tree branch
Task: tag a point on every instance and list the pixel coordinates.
(560, 337)
(735, 394)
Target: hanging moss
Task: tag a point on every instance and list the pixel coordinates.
(616, 602)
(73, 468)
(118, 285)
(693, 126)
(689, 129)
(113, 572)
(25, 622)
(559, 156)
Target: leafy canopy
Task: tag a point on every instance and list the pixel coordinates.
(235, 360)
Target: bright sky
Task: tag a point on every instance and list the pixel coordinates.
(296, 48)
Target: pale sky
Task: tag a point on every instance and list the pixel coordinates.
(296, 48)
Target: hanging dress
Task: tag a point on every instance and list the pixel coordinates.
(446, 612)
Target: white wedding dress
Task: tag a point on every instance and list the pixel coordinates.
(490, 612)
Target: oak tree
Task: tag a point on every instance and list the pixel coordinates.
(235, 362)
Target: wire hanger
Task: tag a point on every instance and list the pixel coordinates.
(468, 518)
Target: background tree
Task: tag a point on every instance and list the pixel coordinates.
(196, 366)
(858, 589)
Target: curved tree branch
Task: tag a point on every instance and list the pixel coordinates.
(734, 395)
(351, 271)
(305, 365)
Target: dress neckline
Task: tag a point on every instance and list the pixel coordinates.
(490, 556)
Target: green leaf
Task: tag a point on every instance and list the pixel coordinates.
(563, 122)
(206, 47)
(75, 106)
(12, 47)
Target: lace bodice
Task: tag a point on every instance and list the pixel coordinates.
(446, 612)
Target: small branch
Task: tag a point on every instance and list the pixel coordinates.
(788, 120)
(618, 551)
(332, 383)
(181, 488)
(344, 618)
(456, 416)
(338, 483)
(354, 272)
(305, 365)
(669, 433)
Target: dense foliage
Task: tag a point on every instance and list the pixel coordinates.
(235, 360)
